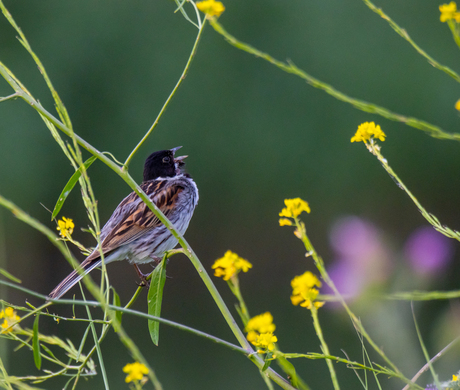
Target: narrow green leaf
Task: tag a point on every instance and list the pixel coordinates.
(6, 274)
(48, 351)
(117, 302)
(155, 297)
(69, 187)
(36, 344)
(289, 369)
(268, 361)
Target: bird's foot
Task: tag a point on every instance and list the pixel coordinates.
(142, 277)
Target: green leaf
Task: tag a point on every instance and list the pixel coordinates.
(117, 302)
(268, 361)
(289, 369)
(155, 297)
(36, 344)
(6, 274)
(69, 187)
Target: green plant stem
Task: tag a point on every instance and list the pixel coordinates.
(401, 296)
(127, 311)
(234, 285)
(403, 33)
(421, 295)
(98, 349)
(324, 347)
(432, 360)
(28, 345)
(134, 297)
(453, 28)
(13, 96)
(267, 381)
(289, 67)
(351, 364)
(6, 379)
(168, 100)
(425, 351)
(374, 148)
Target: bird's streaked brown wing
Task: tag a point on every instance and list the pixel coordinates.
(142, 218)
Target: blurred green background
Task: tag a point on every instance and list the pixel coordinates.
(254, 136)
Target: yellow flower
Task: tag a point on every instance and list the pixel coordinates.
(457, 105)
(65, 227)
(303, 291)
(135, 371)
(449, 11)
(211, 7)
(260, 331)
(293, 209)
(454, 378)
(9, 318)
(285, 222)
(367, 131)
(265, 341)
(262, 323)
(230, 265)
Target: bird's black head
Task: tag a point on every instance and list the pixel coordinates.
(163, 164)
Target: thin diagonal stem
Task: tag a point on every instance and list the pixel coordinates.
(289, 67)
(403, 33)
(324, 347)
(453, 28)
(179, 82)
(12, 96)
(432, 360)
(374, 148)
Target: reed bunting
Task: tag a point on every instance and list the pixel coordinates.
(133, 232)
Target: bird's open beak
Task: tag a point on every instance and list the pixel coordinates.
(174, 150)
(180, 160)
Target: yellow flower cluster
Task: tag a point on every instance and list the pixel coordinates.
(263, 323)
(9, 318)
(449, 12)
(230, 265)
(304, 291)
(65, 227)
(265, 341)
(294, 207)
(135, 371)
(367, 131)
(260, 332)
(211, 7)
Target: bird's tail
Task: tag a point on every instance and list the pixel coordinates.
(85, 267)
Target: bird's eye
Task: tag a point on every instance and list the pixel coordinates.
(166, 160)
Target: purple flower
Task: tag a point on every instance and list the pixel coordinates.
(428, 251)
(354, 238)
(362, 258)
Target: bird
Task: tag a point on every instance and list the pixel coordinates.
(134, 232)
